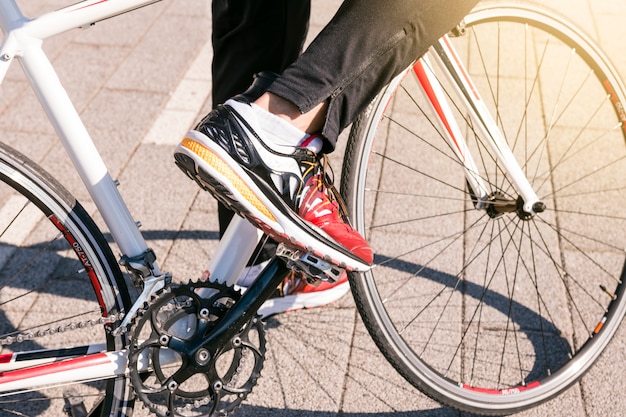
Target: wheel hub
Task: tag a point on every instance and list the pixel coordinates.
(499, 204)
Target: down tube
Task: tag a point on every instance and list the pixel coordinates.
(81, 149)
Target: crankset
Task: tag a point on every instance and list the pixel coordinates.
(171, 370)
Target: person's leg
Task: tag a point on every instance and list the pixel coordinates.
(249, 37)
(257, 162)
(366, 44)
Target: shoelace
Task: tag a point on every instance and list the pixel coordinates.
(328, 178)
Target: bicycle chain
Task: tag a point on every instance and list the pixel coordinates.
(23, 337)
(213, 386)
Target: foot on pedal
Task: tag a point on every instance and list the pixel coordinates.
(284, 189)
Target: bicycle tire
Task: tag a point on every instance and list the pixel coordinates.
(496, 315)
(58, 278)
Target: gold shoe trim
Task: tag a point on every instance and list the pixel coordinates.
(227, 172)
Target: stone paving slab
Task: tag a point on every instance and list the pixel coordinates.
(130, 77)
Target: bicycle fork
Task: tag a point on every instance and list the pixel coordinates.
(445, 56)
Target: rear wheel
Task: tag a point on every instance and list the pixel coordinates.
(486, 312)
(60, 288)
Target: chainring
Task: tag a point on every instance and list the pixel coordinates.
(172, 383)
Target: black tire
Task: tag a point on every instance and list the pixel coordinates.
(56, 270)
(496, 314)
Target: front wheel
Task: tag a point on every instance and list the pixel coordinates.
(60, 291)
(488, 312)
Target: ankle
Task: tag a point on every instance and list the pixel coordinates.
(309, 122)
(278, 106)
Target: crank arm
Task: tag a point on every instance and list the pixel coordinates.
(240, 313)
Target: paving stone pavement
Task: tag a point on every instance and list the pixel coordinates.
(140, 81)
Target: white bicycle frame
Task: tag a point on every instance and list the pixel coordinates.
(23, 41)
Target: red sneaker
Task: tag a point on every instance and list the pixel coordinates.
(295, 293)
(281, 189)
(320, 205)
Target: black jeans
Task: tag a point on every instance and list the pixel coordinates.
(364, 46)
(250, 36)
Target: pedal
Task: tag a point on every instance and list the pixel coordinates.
(309, 264)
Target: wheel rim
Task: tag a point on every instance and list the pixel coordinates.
(442, 289)
(53, 291)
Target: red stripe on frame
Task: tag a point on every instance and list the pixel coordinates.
(418, 68)
(89, 5)
(6, 358)
(52, 368)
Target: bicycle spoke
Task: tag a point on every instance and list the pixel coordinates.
(481, 299)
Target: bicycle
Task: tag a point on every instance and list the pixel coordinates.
(538, 286)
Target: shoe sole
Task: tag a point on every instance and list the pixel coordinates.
(303, 301)
(207, 165)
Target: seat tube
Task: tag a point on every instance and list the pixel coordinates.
(235, 249)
